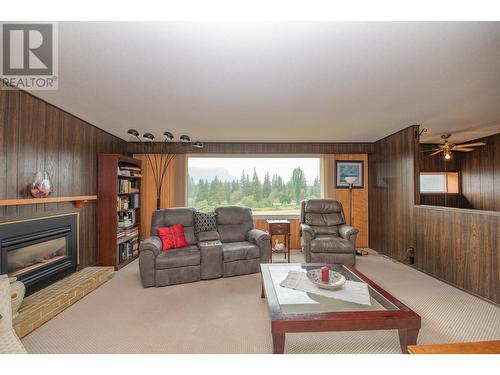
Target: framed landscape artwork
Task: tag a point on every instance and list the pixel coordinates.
(349, 168)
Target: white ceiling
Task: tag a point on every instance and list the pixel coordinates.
(290, 82)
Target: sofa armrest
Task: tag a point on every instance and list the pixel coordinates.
(152, 244)
(307, 231)
(263, 241)
(256, 235)
(347, 232)
(149, 249)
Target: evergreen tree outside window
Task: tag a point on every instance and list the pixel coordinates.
(266, 184)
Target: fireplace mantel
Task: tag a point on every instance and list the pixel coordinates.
(78, 201)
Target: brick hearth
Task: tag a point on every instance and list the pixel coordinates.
(43, 305)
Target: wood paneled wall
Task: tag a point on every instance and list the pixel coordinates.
(392, 169)
(254, 148)
(173, 190)
(36, 136)
(479, 171)
(461, 247)
(481, 175)
(360, 218)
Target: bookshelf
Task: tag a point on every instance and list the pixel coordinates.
(119, 209)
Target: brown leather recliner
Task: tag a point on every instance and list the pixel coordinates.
(324, 236)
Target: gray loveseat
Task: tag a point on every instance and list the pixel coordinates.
(325, 237)
(236, 248)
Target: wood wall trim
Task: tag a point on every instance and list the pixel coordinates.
(455, 209)
(252, 148)
(78, 201)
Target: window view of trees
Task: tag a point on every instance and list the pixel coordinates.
(270, 193)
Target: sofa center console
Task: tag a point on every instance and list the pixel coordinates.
(211, 259)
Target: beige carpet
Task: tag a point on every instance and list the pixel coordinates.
(228, 316)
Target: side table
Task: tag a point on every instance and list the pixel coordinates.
(280, 228)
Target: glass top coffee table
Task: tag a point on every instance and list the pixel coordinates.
(297, 311)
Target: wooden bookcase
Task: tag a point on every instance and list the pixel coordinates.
(119, 212)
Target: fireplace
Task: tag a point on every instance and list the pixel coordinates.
(39, 251)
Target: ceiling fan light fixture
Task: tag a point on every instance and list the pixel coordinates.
(447, 156)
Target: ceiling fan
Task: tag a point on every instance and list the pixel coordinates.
(448, 147)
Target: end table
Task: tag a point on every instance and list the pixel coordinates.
(280, 228)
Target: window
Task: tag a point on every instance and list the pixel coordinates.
(439, 182)
(266, 184)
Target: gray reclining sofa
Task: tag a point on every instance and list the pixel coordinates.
(236, 248)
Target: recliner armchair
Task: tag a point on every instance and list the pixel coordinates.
(324, 236)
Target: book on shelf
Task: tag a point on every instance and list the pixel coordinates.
(126, 218)
(129, 171)
(127, 202)
(127, 233)
(127, 250)
(128, 186)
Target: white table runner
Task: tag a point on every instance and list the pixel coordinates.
(351, 291)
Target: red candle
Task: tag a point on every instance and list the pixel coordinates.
(325, 274)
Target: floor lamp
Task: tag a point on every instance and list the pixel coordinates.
(351, 181)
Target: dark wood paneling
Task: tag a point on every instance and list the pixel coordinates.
(461, 247)
(445, 200)
(253, 148)
(481, 174)
(391, 196)
(35, 135)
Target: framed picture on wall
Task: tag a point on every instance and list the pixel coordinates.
(349, 168)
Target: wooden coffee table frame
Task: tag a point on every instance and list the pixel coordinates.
(406, 321)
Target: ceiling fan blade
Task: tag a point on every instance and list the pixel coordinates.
(464, 149)
(472, 144)
(434, 149)
(437, 152)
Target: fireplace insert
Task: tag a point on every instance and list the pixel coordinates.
(39, 251)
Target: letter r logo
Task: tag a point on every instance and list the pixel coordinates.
(27, 49)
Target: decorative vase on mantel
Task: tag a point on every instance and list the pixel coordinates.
(41, 187)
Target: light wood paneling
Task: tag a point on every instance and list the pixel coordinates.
(359, 196)
(173, 190)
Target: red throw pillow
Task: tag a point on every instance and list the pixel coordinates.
(172, 237)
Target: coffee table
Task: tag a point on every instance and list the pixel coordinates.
(296, 311)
